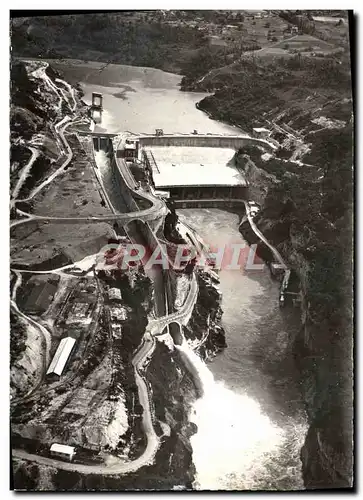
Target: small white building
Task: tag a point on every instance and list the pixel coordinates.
(277, 269)
(61, 356)
(261, 132)
(62, 450)
(130, 149)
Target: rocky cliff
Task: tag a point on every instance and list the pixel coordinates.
(310, 223)
(204, 331)
(26, 350)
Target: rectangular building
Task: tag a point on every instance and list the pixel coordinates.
(62, 451)
(61, 356)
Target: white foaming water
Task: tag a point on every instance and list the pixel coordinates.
(102, 163)
(235, 442)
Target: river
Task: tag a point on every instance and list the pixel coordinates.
(251, 422)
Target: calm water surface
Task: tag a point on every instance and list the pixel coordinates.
(141, 99)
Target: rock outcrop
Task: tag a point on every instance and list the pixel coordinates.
(204, 330)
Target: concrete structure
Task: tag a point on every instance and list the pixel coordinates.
(234, 142)
(207, 193)
(96, 107)
(130, 150)
(101, 143)
(235, 204)
(61, 356)
(204, 140)
(62, 451)
(192, 166)
(96, 100)
(194, 172)
(192, 179)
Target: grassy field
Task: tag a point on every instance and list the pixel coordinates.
(75, 192)
(56, 245)
(257, 30)
(308, 45)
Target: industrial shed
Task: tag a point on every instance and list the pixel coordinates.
(61, 356)
(114, 294)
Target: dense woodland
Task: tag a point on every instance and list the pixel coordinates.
(112, 38)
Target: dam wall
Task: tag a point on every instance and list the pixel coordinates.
(222, 203)
(120, 185)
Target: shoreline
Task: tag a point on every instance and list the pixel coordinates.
(124, 87)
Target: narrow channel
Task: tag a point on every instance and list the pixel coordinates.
(250, 420)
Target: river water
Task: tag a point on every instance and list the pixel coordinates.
(251, 422)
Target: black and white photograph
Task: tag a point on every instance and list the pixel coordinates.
(181, 250)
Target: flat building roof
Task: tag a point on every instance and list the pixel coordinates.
(62, 448)
(61, 356)
(194, 166)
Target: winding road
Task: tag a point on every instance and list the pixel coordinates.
(255, 229)
(25, 172)
(155, 326)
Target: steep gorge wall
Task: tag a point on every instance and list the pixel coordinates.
(323, 348)
(259, 181)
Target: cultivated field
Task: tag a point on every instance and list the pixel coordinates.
(76, 192)
(48, 246)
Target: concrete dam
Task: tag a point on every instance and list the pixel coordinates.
(185, 167)
(206, 140)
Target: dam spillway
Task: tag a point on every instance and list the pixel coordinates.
(189, 166)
